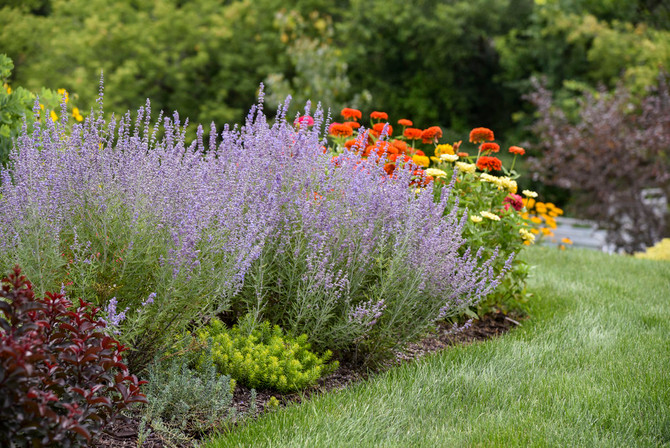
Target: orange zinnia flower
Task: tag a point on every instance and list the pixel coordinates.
(489, 163)
(349, 143)
(341, 130)
(517, 150)
(379, 115)
(405, 122)
(478, 135)
(386, 147)
(351, 114)
(389, 168)
(418, 152)
(431, 134)
(353, 124)
(412, 133)
(489, 147)
(402, 146)
(462, 154)
(379, 127)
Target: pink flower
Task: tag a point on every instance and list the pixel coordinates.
(515, 201)
(304, 120)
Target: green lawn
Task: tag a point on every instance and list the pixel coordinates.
(591, 367)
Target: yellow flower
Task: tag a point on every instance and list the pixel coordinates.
(62, 92)
(490, 216)
(547, 231)
(566, 241)
(526, 235)
(75, 113)
(528, 203)
(41, 106)
(421, 160)
(536, 220)
(435, 172)
(488, 178)
(448, 157)
(508, 184)
(53, 115)
(467, 168)
(7, 88)
(444, 149)
(529, 193)
(475, 218)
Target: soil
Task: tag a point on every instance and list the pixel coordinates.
(124, 434)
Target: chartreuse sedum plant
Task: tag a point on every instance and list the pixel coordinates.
(257, 219)
(262, 356)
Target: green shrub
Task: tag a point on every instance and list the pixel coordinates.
(183, 403)
(264, 357)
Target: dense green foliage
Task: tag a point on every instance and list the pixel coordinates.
(263, 357)
(18, 103)
(458, 63)
(588, 369)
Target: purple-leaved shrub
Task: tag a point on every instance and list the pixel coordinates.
(259, 220)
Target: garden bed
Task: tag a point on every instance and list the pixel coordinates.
(124, 434)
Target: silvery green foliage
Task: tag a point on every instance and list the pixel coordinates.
(183, 403)
(259, 219)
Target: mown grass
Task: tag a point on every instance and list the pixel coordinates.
(589, 368)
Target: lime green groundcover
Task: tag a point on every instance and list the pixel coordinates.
(589, 368)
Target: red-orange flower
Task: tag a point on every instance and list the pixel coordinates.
(351, 114)
(478, 135)
(418, 152)
(379, 115)
(517, 150)
(377, 129)
(405, 122)
(431, 134)
(349, 143)
(389, 168)
(489, 147)
(489, 163)
(353, 124)
(340, 130)
(402, 146)
(462, 154)
(412, 133)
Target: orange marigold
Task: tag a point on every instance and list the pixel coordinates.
(489, 163)
(341, 130)
(431, 135)
(517, 150)
(478, 135)
(351, 114)
(412, 133)
(405, 122)
(376, 115)
(489, 147)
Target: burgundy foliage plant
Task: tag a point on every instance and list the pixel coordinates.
(62, 377)
(613, 156)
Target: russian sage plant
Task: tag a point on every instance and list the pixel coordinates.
(257, 221)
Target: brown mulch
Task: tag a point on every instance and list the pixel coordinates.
(124, 434)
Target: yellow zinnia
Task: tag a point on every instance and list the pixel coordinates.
(421, 160)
